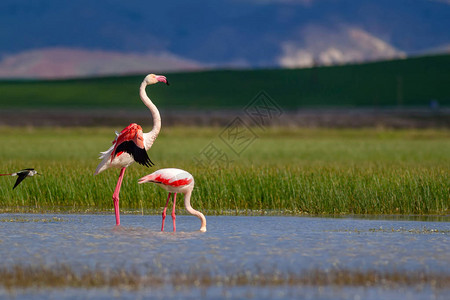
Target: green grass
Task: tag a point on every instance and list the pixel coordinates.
(409, 82)
(284, 171)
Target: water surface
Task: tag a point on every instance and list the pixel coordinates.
(252, 245)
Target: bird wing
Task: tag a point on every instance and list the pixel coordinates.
(131, 141)
(167, 177)
(139, 154)
(20, 177)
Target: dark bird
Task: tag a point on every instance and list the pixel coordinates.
(22, 174)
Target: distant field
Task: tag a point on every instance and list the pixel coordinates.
(409, 82)
(282, 171)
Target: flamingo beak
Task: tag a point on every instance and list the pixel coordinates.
(161, 78)
(142, 180)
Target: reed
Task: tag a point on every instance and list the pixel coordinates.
(289, 171)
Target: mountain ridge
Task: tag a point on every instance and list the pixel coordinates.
(228, 33)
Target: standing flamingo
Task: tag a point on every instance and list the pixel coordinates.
(131, 144)
(175, 181)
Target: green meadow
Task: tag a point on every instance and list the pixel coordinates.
(278, 171)
(399, 83)
(287, 171)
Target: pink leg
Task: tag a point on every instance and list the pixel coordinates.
(164, 212)
(116, 196)
(173, 212)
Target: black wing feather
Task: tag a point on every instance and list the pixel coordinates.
(20, 178)
(139, 154)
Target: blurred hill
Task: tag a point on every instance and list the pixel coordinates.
(47, 39)
(66, 62)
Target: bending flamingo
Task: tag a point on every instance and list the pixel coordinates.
(131, 144)
(175, 181)
(21, 175)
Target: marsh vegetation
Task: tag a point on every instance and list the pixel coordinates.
(284, 170)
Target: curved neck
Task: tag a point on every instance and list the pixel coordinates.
(187, 205)
(151, 136)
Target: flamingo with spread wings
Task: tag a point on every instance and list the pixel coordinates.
(175, 181)
(131, 144)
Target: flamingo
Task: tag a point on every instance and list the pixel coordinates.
(175, 181)
(131, 144)
(22, 174)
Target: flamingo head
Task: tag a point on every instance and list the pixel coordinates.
(152, 79)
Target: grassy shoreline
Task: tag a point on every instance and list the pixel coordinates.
(288, 170)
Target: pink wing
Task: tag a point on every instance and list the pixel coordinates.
(131, 141)
(168, 177)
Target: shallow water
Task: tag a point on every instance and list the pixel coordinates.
(251, 245)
